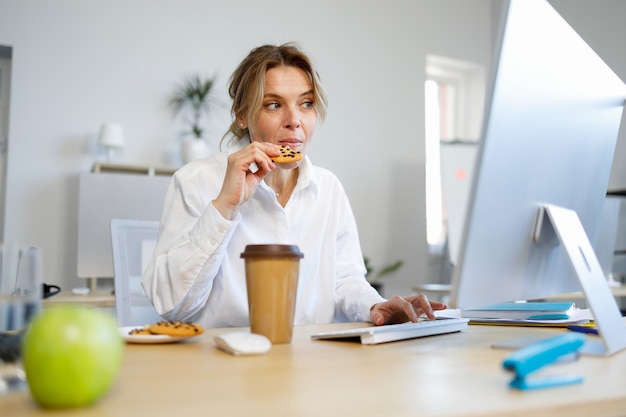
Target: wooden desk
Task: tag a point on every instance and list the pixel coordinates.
(450, 375)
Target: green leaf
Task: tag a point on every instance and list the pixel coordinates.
(385, 271)
(389, 269)
(194, 93)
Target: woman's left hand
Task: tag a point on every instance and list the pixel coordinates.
(403, 309)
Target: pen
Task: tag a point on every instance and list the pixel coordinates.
(582, 329)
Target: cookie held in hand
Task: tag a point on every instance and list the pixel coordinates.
(287, 155)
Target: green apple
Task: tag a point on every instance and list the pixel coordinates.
(71, 356)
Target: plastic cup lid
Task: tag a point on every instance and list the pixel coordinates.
(258, 251)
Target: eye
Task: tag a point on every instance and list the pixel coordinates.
(272, 106)
(307, 104)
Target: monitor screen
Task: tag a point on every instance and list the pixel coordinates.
(551, 124)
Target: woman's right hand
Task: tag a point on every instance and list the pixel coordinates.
(240, 181)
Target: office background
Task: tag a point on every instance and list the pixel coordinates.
(76, 65)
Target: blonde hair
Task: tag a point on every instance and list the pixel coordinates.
(247, 83)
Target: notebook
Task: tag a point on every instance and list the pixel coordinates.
(394, 332)
(522, 311)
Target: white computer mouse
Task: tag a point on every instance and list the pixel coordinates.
(243, 343)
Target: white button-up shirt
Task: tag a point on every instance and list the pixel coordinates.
(197, 273)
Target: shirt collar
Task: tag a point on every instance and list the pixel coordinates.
(307, 177)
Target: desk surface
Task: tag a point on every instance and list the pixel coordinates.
(451, 375)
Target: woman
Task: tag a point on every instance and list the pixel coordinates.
(216, 206)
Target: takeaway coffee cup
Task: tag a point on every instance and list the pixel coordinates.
(272, 283)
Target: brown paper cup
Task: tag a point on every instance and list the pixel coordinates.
(272, 283)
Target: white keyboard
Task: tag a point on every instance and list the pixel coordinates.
(392, 332)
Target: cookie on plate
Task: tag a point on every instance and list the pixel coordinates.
(145, 330)
(176, 328)
(287, 155)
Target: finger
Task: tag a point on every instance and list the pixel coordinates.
(377, 316)
(259, 163)
(438, 305)
(267, 148)
(422, 303)
(264, 153)
(410, 312)
(261, 168)
(426, 307)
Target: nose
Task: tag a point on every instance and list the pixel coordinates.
(292, 119)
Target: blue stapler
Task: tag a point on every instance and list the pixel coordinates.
(539, 354)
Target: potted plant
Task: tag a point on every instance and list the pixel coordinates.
(193, 95)
(374, 278)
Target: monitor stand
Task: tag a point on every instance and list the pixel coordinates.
(569, 231)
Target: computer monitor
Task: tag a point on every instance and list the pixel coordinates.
(552, 118)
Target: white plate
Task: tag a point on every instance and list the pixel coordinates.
(149, 338)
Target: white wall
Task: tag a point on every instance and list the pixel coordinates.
(77, 64)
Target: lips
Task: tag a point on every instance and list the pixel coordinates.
(292, 143)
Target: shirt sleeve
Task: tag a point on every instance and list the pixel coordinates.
(192, 243)
(354, 296)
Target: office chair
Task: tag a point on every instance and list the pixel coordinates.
(133, 243)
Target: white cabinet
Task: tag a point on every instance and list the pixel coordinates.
(108, 193)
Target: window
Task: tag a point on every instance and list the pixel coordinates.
(454, 96)
(435, 219)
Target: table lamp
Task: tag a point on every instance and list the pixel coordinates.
(111, 137)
